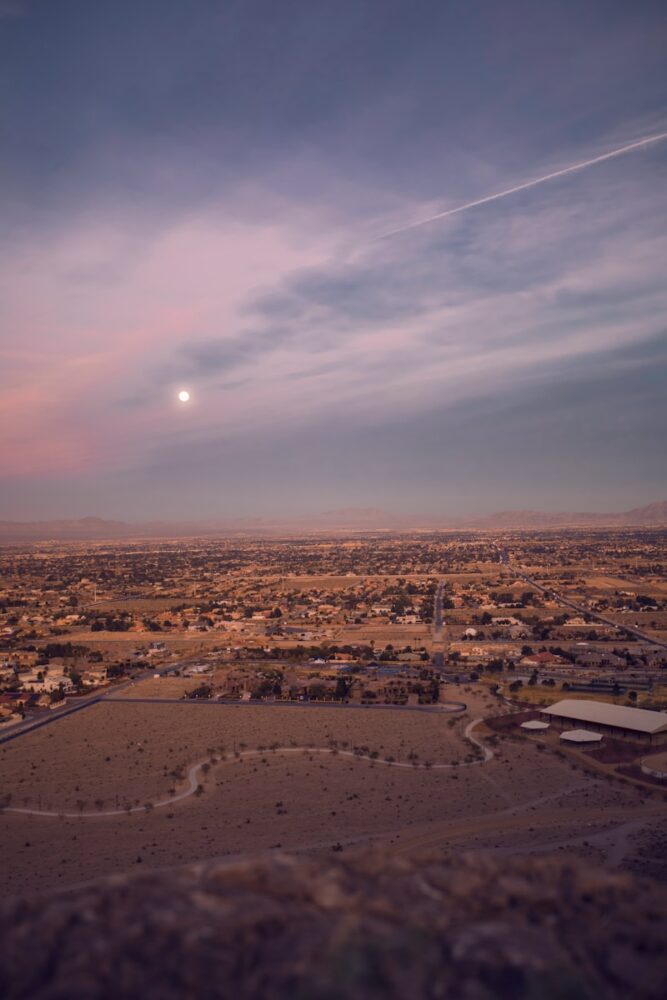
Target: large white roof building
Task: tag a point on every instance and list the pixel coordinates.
(601, 716)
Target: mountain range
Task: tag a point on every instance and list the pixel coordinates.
(346, 519)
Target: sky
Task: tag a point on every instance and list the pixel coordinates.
(221, 197)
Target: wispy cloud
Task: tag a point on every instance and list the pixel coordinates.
(203, 216)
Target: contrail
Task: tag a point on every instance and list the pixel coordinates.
(523, 187)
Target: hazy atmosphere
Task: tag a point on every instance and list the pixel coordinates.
(219, 198)
(333, 499)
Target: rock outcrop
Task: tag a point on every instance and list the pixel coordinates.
(366, 927)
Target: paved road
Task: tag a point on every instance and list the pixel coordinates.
(55, 714)
(580, 609)
(36, 722)
(442, 707)
(438, 647)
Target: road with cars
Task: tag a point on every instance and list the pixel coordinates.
(520, 574)
(438, 643)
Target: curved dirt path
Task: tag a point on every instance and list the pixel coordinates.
(192, 778)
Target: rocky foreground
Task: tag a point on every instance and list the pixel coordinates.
(367, 927)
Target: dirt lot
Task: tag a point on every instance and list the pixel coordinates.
(122, 644)
(382, 633)
(610, 584)
(139, 605)
(126, 753)
(166, 686)
(344, 581)
(120, 752)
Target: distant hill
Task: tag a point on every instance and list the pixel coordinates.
(344, 519)
(94, 528)
(654, 514)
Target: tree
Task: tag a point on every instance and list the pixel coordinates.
(342, 689)
(264, 690)
(150, 625)
(76, 679)
(203, 691)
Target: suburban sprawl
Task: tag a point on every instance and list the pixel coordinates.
(506, 692)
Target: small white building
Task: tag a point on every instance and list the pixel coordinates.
(582, 737)
(534, 726)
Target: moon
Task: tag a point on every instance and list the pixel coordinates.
(184, 396)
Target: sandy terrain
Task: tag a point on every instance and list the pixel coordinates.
(137, 605)
(382, 633)
(126, 753)
(610, 584)
(338, 582)
(165, 686)
(136, 637)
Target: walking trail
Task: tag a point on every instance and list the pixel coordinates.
(192, 778)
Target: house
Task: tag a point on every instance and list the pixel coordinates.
(543, 659)
(50, 681)
(23, 657)
(598, 658)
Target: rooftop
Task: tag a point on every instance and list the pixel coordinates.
(640, 720)
(581, 736)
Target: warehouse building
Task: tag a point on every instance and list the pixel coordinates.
(613, 720)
